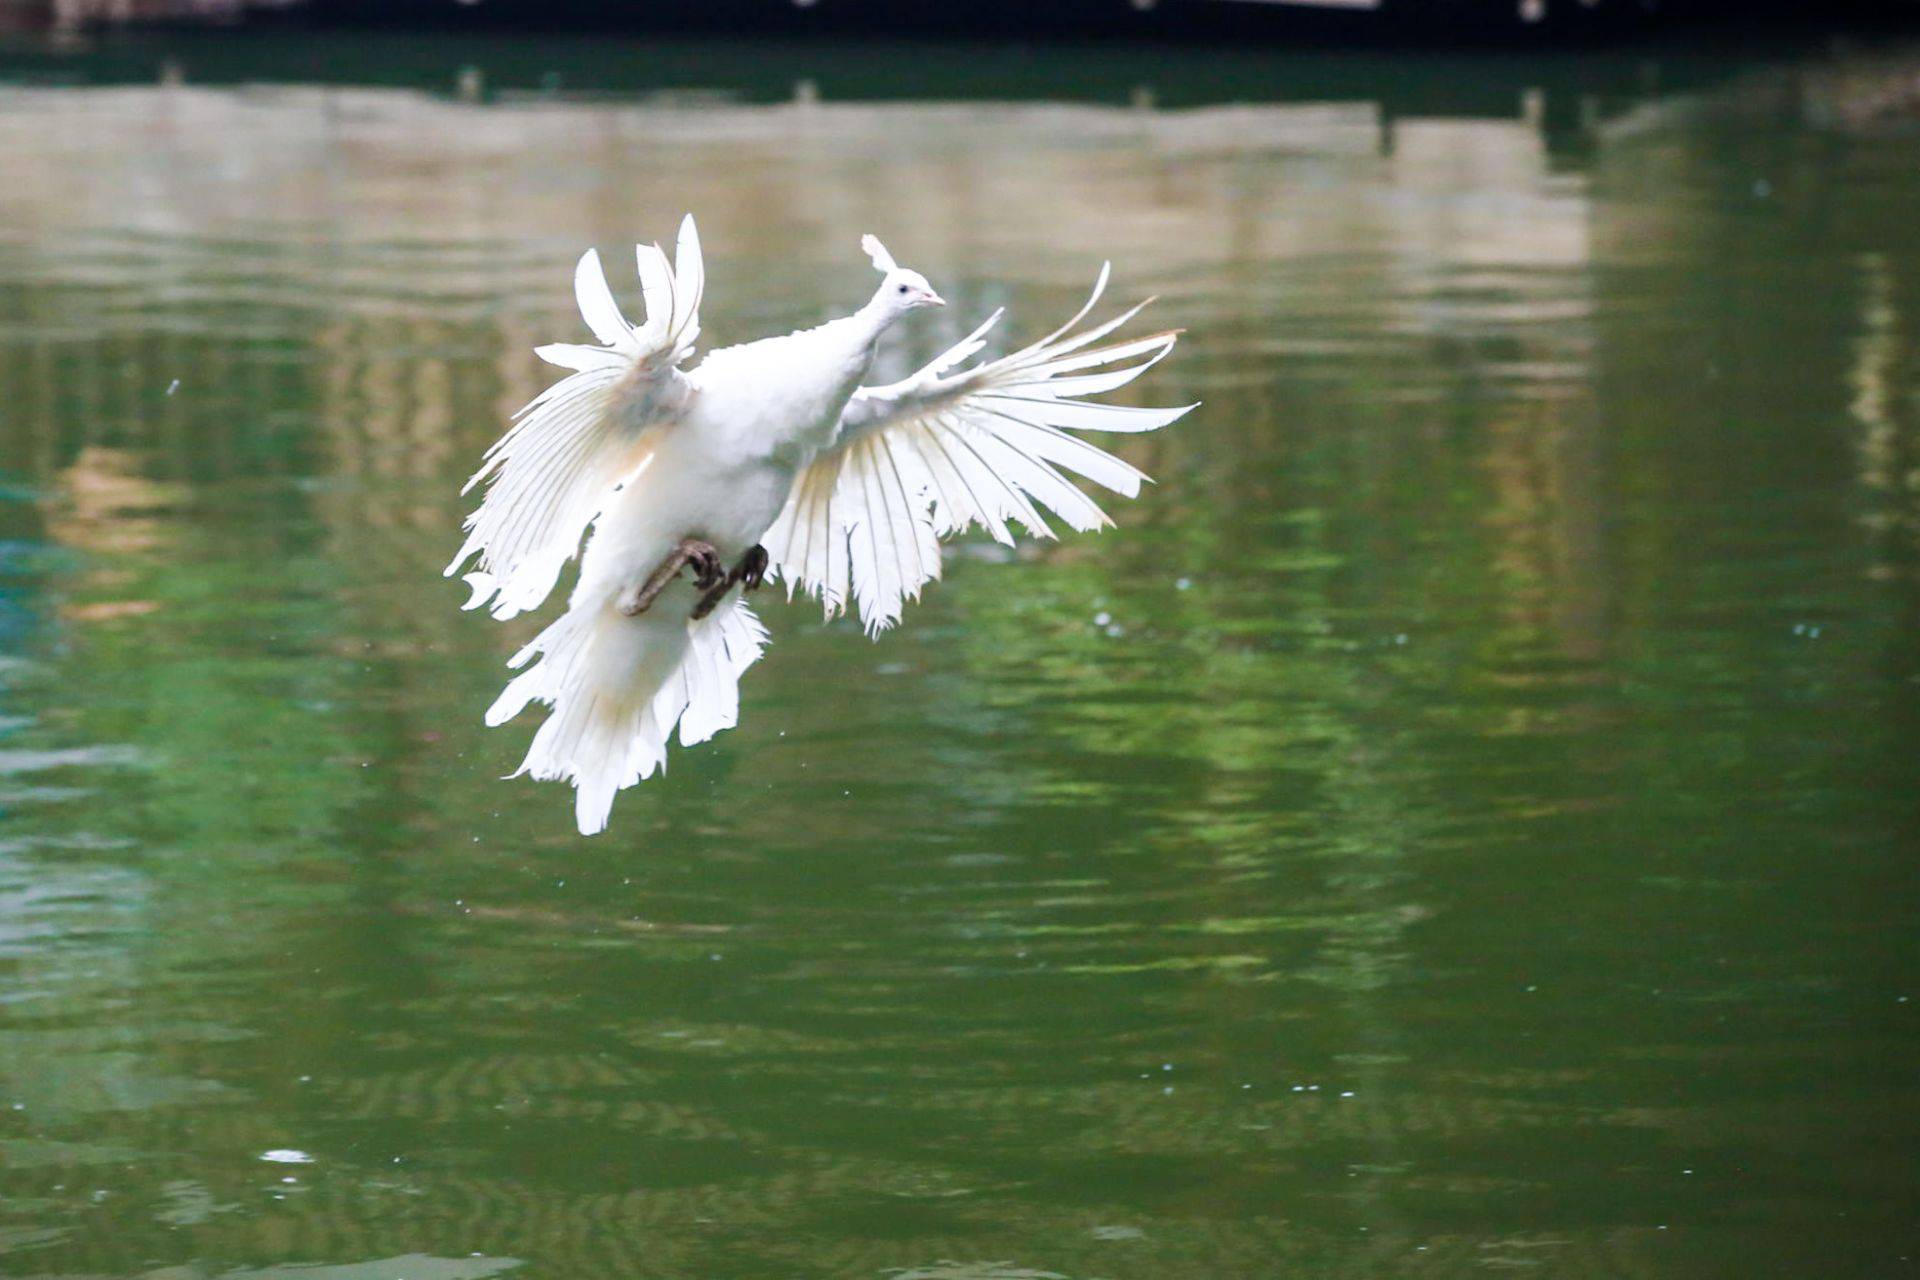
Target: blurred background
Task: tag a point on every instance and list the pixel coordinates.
(1462, 820)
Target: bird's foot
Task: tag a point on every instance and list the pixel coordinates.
(707, 571)
(707, 568)
(749, 573)
(752, 569)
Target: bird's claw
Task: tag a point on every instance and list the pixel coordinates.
(707, 569)
(753, 568)
(749, 573)
(635, 601)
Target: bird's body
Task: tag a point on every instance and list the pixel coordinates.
(774, 440)
(760, 411)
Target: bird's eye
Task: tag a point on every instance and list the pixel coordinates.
(903, 288)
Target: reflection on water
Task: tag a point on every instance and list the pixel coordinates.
(1460, 820)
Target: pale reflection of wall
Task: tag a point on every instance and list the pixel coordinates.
(1479, 193)
(308, 167)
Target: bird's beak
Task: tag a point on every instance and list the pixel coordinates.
(934, 299)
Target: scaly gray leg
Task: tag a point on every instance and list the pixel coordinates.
(692, 551)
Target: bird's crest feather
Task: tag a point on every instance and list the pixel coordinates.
(882, 260)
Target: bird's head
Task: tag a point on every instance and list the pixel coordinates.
(902, 290)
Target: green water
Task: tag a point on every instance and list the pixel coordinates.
(1463, 819)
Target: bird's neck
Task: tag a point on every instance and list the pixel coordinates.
(861, 332)
(850, 354)
(873, 320)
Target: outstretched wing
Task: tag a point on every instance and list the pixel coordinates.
(932, 454)
(568, 451)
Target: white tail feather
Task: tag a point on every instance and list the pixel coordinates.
(618, 686)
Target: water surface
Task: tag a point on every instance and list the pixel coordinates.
(1462, 819)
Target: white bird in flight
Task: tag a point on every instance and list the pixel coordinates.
(768, 458)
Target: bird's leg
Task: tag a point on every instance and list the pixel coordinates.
(750, 573)
(635, 601)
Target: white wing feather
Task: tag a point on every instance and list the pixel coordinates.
(932, 454)
(550, 475)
